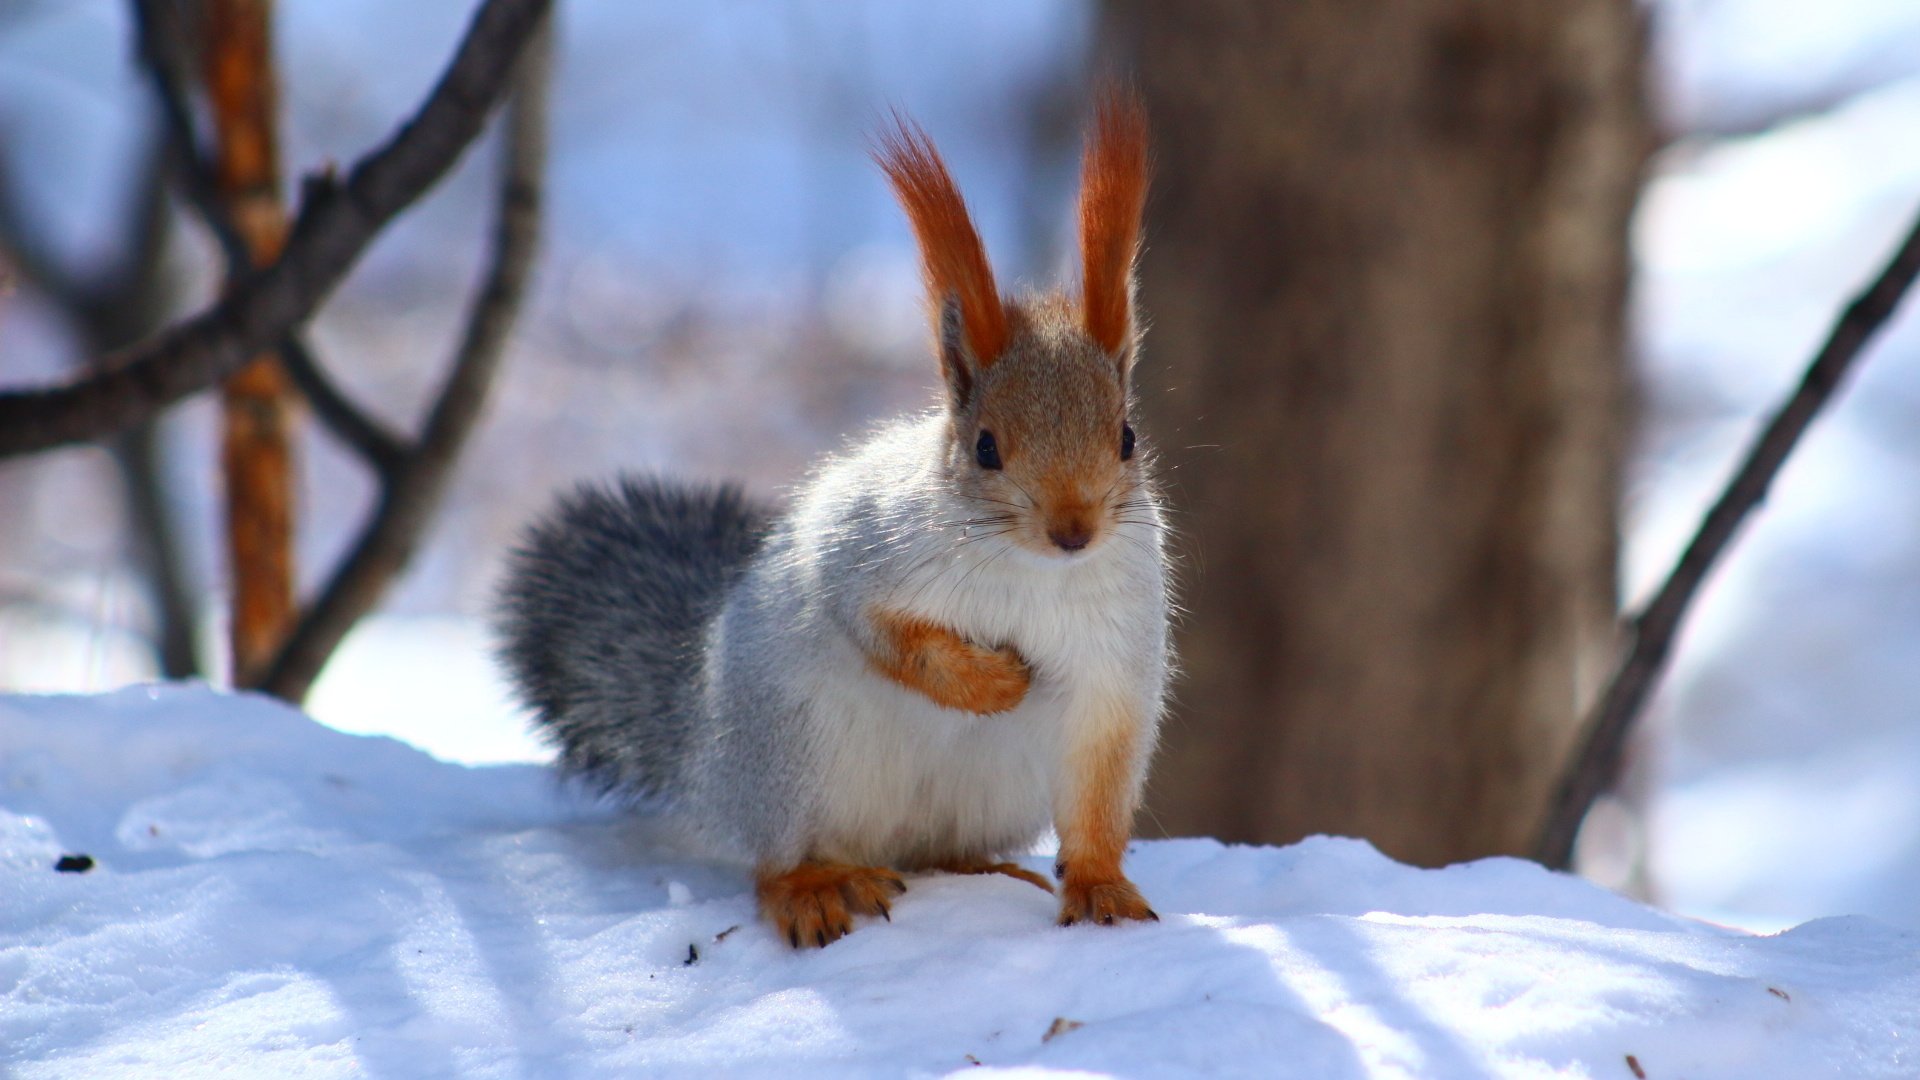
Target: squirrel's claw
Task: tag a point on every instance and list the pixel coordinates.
(1103, 902)
(814, 903)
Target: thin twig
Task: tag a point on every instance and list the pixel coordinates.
(140, 455)
(411, 492)
(167, 45)
(132, 302)
(110, 310)
(338, 219)
(378, 446)
(1597, 766)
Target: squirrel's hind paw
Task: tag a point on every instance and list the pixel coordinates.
(814, 903)
(1103, 902)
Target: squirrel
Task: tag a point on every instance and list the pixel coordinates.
(953, 637)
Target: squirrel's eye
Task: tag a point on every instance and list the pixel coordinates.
(1126, 441)
(986, 451)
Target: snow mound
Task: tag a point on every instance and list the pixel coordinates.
(273, 898)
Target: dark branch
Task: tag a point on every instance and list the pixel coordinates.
(1595, 769)
(99, 298)
(25, 247)
(380, 448)
(412, 490)
(132, 302)
(167, 43)
(338, 219)
(106, 311)
(140, 455)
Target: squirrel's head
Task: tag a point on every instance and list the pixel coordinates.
(1041, 439)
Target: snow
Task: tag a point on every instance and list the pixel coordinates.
(373, 686)
(276, 898)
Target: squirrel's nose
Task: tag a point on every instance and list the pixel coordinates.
(1070, 538)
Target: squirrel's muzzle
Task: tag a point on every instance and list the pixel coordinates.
(1071, 539)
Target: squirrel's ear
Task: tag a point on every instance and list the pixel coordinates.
(951, 255)
(956, 357)
(1113, 196)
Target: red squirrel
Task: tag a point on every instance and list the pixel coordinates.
(952, 638)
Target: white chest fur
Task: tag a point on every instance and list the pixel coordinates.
(911, 783)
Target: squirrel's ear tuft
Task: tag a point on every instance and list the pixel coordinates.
(951, 254)
(1113, 195)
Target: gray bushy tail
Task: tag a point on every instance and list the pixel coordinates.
(604, 614)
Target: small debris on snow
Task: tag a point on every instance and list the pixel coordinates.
(1634, 1064)
(1779, 993)
(722, 935)
(1061, 1025)
(693, 957)
(74, 864)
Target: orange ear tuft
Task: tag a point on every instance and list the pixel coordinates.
(1113, 195)
(953, 258)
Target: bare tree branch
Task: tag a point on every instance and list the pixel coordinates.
(105, 311)
(141, 455)
(130, 303)
(337, 220)
(1597, 765)
(96, 299)
(379, 447)
(23, 245)
(411, 492)
(168, 38)
(405, 472)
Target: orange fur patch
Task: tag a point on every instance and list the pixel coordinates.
(947, 668)
(952, 256)
(1103, 902)
(1113, 197)
(1098, 822)
(814, 903)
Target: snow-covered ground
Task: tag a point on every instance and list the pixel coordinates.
(271, 897)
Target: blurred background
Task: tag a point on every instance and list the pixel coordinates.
(726, 290)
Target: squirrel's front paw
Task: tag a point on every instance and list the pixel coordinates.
(984, 680)
(1104, 902)
(814, 903)
(948, 669)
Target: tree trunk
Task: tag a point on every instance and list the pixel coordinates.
(1385, 273)
(257, 403)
